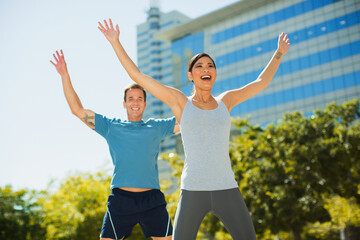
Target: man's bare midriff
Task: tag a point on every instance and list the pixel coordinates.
(135, 189)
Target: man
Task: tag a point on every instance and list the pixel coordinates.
(134, 148)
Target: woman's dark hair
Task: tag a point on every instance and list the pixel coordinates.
(195, 58)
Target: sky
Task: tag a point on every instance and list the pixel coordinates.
(40, 139)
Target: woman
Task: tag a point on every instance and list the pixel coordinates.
(207, 181)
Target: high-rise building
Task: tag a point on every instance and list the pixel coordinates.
(155, 59)
(322, 65)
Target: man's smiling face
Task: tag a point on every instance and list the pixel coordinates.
(135, 104)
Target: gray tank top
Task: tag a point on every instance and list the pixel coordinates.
(205, 136)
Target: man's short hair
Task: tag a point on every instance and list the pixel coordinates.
(134, 86)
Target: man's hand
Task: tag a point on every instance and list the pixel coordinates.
(110, 33)
(60, 64)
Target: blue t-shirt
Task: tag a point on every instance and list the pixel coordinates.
(134, 149)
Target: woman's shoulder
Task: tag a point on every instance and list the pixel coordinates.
(223, 98)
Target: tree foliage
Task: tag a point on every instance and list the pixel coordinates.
(285, 169)
(344, 213)
(20, 215)
(76, 209)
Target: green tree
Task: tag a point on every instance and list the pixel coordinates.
(76, 209)
(344, 213)
(284, 169)
(20, 215)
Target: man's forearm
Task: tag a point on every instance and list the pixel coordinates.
(70, 94)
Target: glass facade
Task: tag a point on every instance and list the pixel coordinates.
(269, 19)
(296, 37)
(323, 64)
(154, 59)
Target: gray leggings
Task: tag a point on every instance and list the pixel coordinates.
(228, 205)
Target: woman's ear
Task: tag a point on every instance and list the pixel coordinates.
(190, 77)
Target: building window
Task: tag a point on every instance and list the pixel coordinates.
(154, 25)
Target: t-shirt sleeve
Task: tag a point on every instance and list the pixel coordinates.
(167, 126)
(102, 125)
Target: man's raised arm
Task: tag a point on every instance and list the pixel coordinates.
(85, 115)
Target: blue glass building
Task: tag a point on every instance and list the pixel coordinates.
(155, 59)
(322, 65)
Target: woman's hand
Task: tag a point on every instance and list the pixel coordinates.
(110, 33)
(283, 43)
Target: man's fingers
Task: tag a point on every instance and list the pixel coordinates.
(101, 28)
(117, 28)
(107, 26)
(111, 24)
(53, 63)
(57, 53)
(61, 51)
(55, 58)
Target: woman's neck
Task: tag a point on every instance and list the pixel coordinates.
(203, 96)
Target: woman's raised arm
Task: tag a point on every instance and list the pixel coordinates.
(234, 97)
(174, 98)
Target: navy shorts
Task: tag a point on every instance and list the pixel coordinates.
(125, 209)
